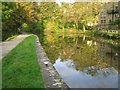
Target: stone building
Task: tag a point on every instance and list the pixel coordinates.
(109, 13)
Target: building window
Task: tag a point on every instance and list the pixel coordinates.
(103, 15)
(110, 20)
(103, 21)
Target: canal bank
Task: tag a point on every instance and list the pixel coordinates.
(81, 59)
(51, 78)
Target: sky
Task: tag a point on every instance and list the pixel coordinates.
(67, 1)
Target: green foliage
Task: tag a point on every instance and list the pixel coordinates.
(15, 14)
(116, 22)
(0, 75)
(74, 15)
(7, 22)
(7, 9)
(25, 27)
(108, 35)
(10, 38)
(39, 26)
(20, 67)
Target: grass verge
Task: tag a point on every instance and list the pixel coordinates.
(10, 38)
(20, 68)
(0, 75)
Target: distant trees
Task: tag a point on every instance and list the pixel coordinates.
(18, 16)
(115, 23)
(84, 13)
(72, 15)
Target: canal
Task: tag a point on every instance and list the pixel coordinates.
(84, 61)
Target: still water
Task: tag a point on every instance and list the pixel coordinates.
(102, 78)
(84, 62)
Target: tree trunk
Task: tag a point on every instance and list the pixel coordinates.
(83, 28)
(63, 31)
(76, 25)
(84, 38)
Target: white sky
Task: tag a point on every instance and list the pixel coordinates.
(67, 1)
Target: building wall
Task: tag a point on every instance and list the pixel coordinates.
(119, 7)
(104, 17)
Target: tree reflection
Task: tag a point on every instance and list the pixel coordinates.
(87, 54)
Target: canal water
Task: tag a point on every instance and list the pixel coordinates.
(84, 62)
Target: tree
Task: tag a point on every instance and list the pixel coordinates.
(86, 12)
(8, 24)
(15, 14)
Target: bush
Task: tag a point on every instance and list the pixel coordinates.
(109, 35)
(25, 27)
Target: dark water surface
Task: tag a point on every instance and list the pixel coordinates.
(84, 62)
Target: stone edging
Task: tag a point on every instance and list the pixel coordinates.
(51, 77)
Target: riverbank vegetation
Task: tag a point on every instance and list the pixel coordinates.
(10, 38)
(52, 17)
(107, 34)
(31, 17)
(84, 50)
(20, 68)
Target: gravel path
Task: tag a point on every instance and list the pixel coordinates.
(6, 47)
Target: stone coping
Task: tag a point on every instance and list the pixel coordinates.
(51, 77)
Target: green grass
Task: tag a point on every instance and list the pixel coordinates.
(10, 38)
(20, 68)
(0, 75)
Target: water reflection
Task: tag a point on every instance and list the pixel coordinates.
(93, 76)
(83, 59)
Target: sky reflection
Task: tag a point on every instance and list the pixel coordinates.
(105, 78)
